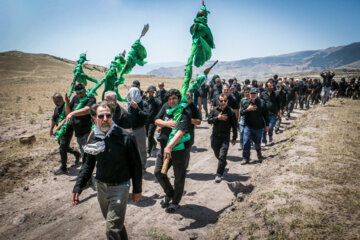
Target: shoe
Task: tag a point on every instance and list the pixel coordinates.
(60, 171)
(277, 131)
(172, 208)
(148, 155)
(165, 202)
(217, 179)
(271, 139)
(259, 156)
(240, 148)
(77, 158)
(246, 160)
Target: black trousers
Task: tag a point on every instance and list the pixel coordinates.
(289, 108)
(302, 101)
(64, 147)
(150, 131)
(178, 161)
(277, 122)
(220, 147)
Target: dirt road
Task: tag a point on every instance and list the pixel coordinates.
(44, 211)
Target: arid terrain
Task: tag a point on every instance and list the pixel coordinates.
(306, 188)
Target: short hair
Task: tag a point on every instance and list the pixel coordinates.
(222, 95)
(107, 104)
(171, 92)
(57, 96)
(269, 80)
(247, 81)
(226, 85)
(111, 94)
(79, 87)
(246, 88)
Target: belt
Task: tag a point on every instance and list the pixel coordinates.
(111, 184)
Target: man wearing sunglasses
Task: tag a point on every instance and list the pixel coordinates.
(79, 119)
(223, 119)
(256, 118)
(114, 151)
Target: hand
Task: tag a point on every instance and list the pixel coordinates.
(167, 152)
(52, 133)
(172, 124)
(222, 117)
(68, 117)
(133, 104)
(267, 129)
(136, 197)
(75, 198)
(251, 108)
(158, 129)
(233, 142)
(67, 100)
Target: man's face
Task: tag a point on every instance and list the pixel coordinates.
(261, 85)
(222, 102)
(161, 85)
(151, 93)
(58, 101)
(189, 97)
(233, 90)
(270, 85)
(217, 82)
(253, 96)
(226, 90)
(247, 93)
(82, 94)
(109, 99)
(103, 118)
(173, 100)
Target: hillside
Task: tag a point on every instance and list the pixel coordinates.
(346, 57)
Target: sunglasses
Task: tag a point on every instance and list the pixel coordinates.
(101, 116)
(222, 100)
(188, 96)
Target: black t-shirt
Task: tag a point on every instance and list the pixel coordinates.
(196, 114)
(122, 118)
(290, 92)
(184, 125)
(81, 124)
(204, 91)
(57, 111)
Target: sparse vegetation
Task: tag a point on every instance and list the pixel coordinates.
(155, 234)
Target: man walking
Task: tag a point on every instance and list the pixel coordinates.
(325, 92)
(64, 141)
(117, 159)
(223, 119)
(121, 117)
(204, 94)
(256, 118)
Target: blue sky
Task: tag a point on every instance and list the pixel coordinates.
(241, 29)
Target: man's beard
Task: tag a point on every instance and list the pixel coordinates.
(105, 128)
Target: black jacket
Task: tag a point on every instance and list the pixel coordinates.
(152, 107)
(255, 119)
(117, 164)
(222, 128)
(138, 116)
(272, 102)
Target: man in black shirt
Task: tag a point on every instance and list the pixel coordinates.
(272, 102)
(121, 117)
(291, 96)
(80, 119)
(223, 118)
(281, 94)
(302, 90)
(138, 116)
(256, 118)
(160, 94)
(232, 101)
(326, 85)
(204, 93)
(114, 152)
(178, 159)
(152, 106)
(64, 141)
(215, 90)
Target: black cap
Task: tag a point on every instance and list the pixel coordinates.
(136, 83)
(253, 90)
(151, 88)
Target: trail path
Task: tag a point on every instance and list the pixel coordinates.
(45, 210)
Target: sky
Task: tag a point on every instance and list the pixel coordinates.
(241, 28)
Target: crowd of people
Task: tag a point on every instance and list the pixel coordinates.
(119, 141)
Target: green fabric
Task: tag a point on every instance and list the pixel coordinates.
(136, 55)
(79, 74)
(110, 78)
(200, 52)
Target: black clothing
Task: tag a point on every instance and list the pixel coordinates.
(160, 94)
(150, 131)
(255, 119)
(122, 118)
(81, 124)
(117, 164)
(272, 102)
(196, 114)
(215, 90)
(204, 91)
(282, 97)
(290, 92)
(221, 129)
(152, 107)
(57, 111)
(64, 147)
(233, 101)
(184, 125)
(302, 89)
(220, 147)
(138, 116)
(327, 79)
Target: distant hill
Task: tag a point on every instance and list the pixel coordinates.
(344, 57)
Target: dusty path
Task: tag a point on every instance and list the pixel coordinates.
(45, 211)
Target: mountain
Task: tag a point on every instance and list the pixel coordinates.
(345, 57)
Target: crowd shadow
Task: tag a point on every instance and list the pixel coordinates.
(197, 127)
(144, 201)
(229, 177)
(150, 163)
(148, 176)
(87, 198)
(195, 149)
(234, 158)
(201, 215)
(237, 187)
